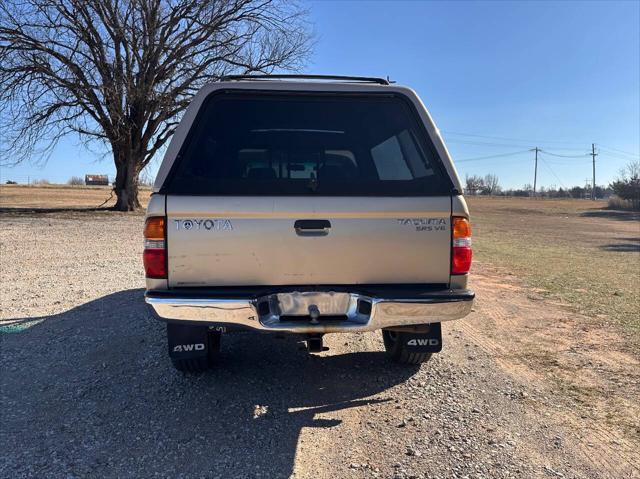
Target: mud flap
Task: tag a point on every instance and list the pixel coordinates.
(187, 342)
(429, 341)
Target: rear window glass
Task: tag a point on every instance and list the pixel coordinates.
(302, 144)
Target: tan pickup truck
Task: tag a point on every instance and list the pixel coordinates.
(306, 205)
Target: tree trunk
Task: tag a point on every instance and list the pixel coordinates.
(126, 187)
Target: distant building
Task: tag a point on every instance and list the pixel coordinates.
(96, 180)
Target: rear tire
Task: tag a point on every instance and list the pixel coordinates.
(396, 350)
(200, 365)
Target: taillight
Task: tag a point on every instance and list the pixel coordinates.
(155, 252)
(461, 247)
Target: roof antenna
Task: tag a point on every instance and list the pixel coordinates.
(389, 80)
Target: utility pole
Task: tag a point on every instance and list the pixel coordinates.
(593, 185)
(535, 172)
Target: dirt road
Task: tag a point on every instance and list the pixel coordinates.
(522, 388)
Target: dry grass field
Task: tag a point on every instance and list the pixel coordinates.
(541, 380)
(59, 197)
(576, 252)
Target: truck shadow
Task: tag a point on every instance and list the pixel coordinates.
(93, 388)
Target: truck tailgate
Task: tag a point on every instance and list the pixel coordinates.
(238, 241)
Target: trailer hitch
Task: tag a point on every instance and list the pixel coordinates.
(314, 344)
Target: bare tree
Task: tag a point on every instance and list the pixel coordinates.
(473, 184)
(121, 72)
(491, 185)
(630, 171)
(76, 181)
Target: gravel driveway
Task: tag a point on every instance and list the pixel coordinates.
(88, 390)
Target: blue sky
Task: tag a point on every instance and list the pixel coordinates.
(498, 78)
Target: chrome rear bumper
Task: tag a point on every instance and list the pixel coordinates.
(290, 311)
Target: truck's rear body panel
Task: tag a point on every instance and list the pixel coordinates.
(307, 188)
(236, 241)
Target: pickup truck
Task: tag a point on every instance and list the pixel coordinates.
(306, 205)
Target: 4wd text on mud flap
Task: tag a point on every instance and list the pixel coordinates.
(423, 342)
(183, 348)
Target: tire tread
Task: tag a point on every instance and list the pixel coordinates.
(396, 351)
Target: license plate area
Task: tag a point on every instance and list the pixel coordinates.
(299, 303)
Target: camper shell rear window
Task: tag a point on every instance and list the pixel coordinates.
(301, 144)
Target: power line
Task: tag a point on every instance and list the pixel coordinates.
(500, 155)
(485, 143)
(566, 161)
(610, 156)
(531, 142)
(553, 173)
(564, 156)
(510, 139)
(491, 156)
(635, 155)
(618, 156)
(612, 153)
(502, 145)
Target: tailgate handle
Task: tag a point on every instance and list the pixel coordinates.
(312, 227)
